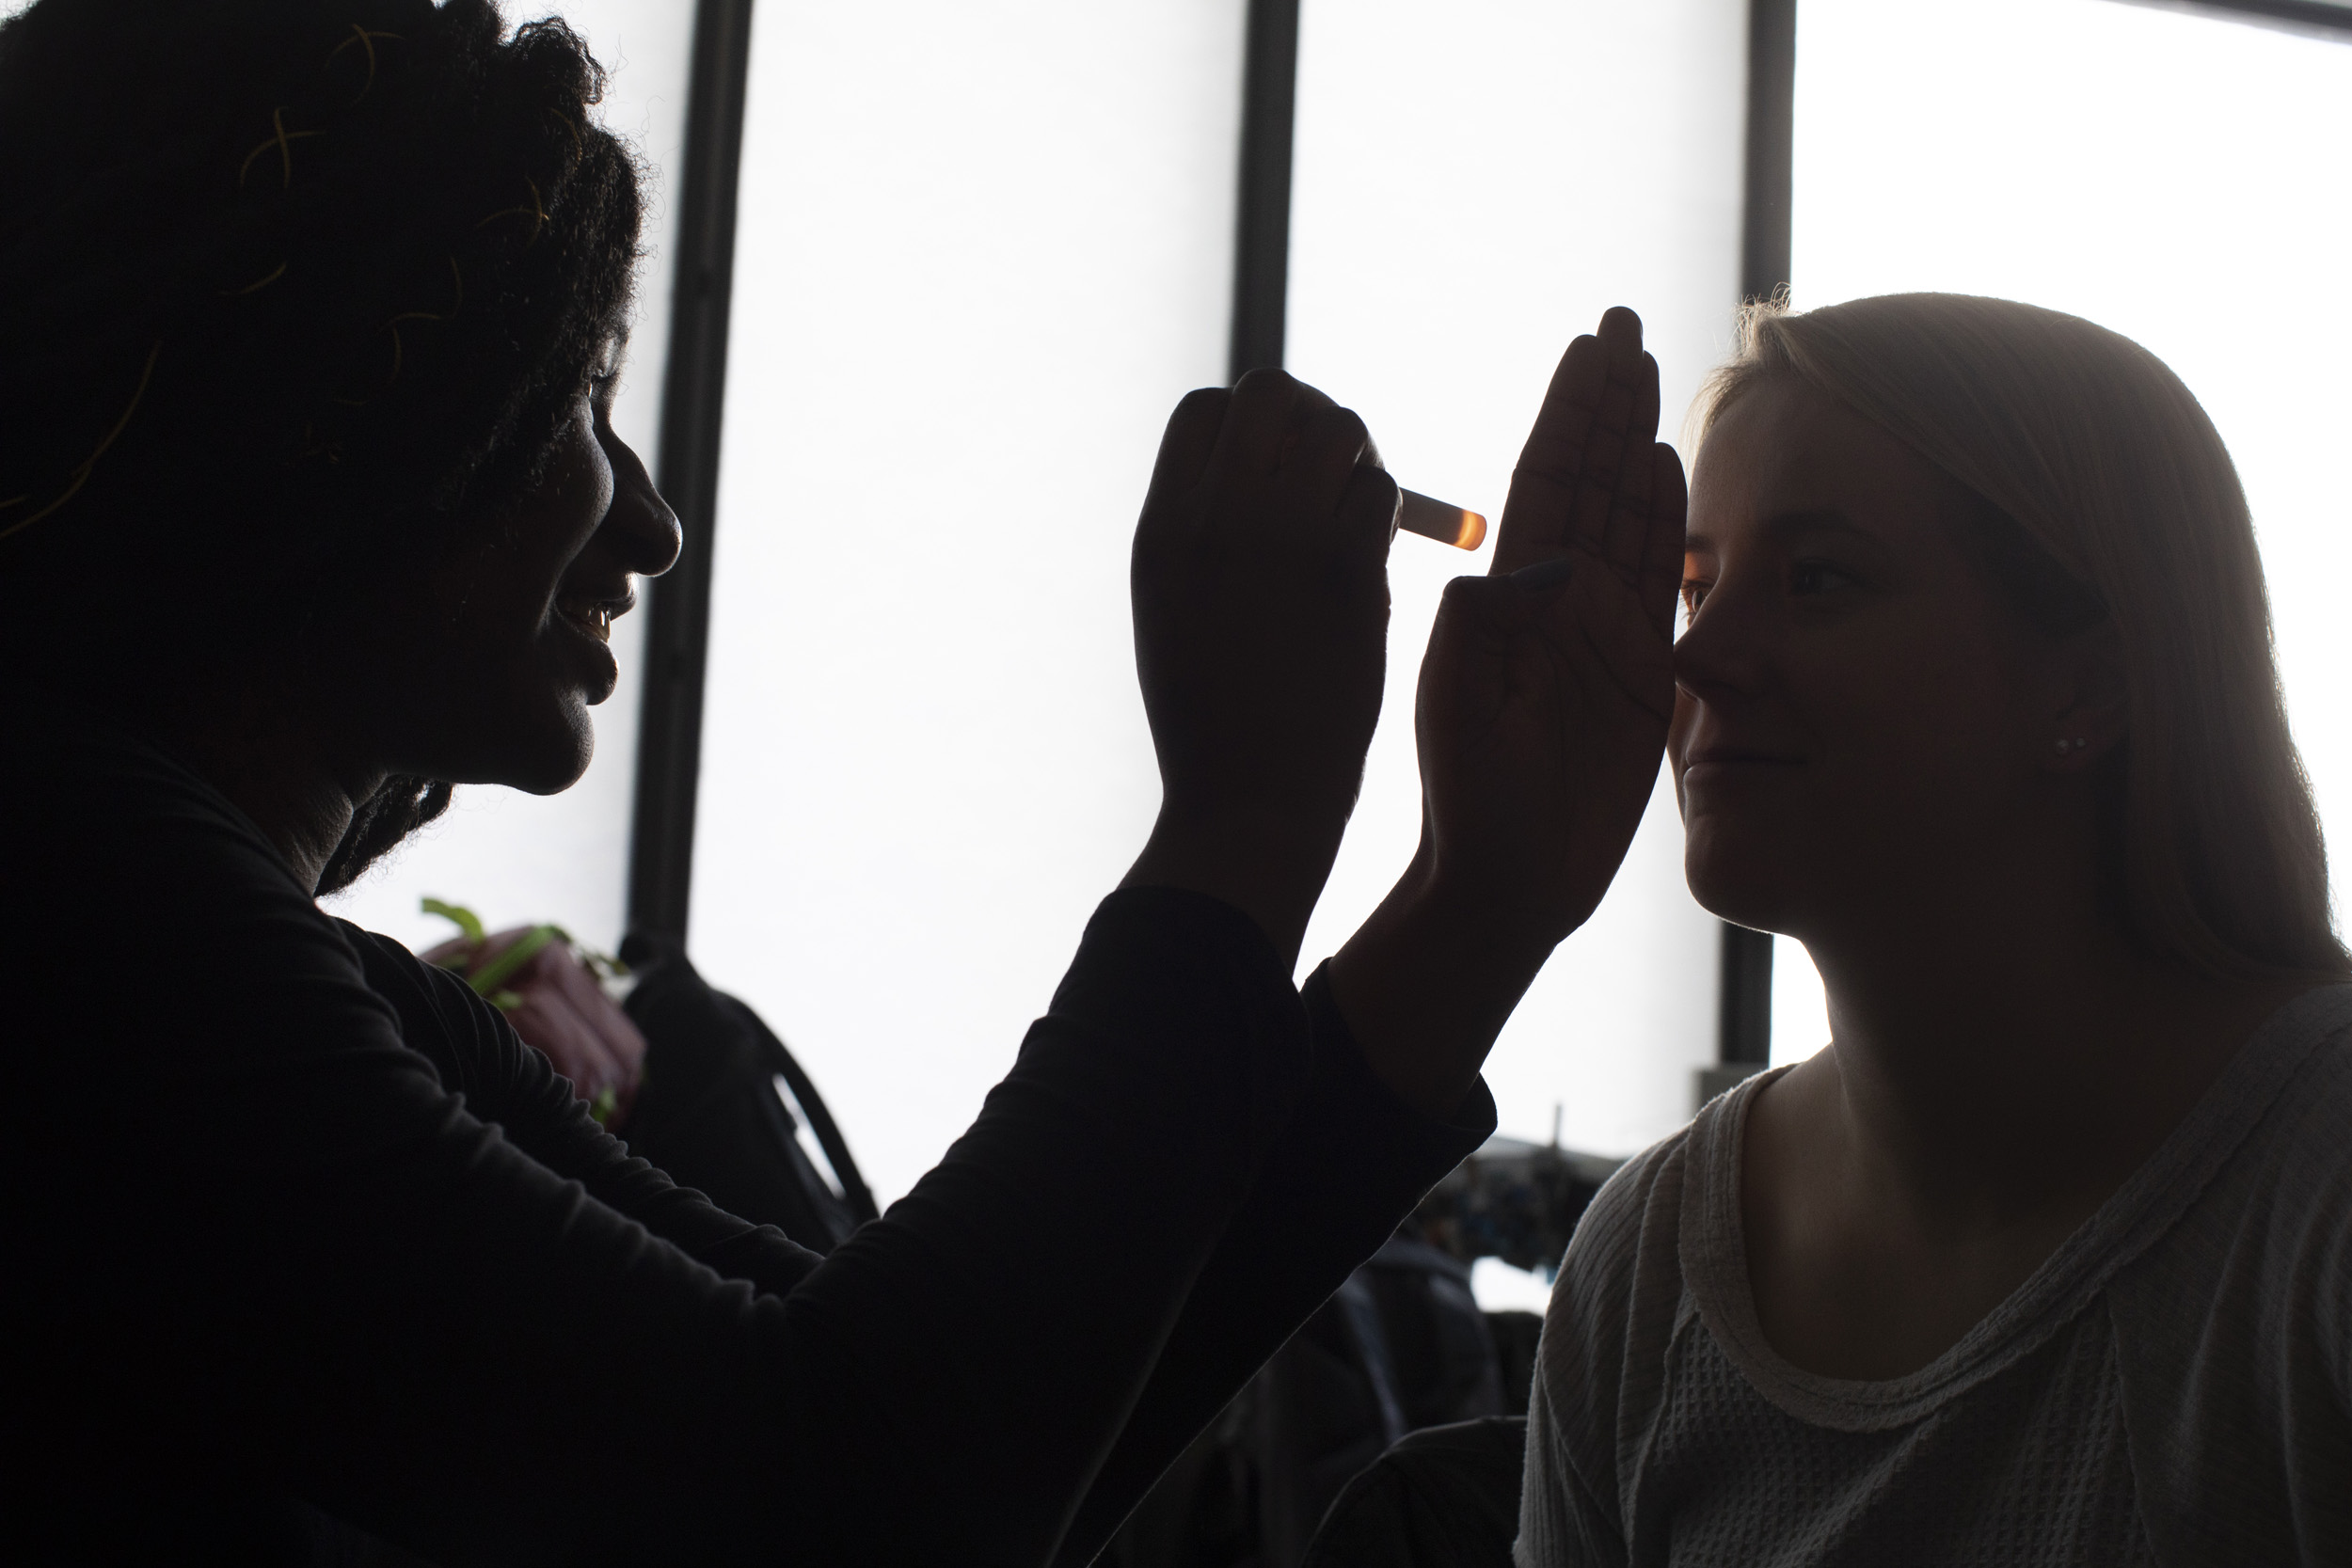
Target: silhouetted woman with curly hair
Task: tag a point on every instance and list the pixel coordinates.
(309, 510)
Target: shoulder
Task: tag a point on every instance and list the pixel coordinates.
(1615, 1304)
(149, 924)
(2234, 1329)
(2275, 1211)
(1623, 1262)
(2277, 1219)
(84, 792)
(469, 1042)
(1600, 1364)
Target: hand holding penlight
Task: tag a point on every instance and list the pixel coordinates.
(1434, 519)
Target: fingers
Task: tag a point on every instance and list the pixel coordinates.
(1365, 519)
(1185, 445)
(1621, 499)
(1322, 462)
(1476, 618)
(1281, 452)
(1465, 672)
(1267, 411)
(1588, 406)
(1557, 438)
(1615, 432)
(1660, 582)
(1600, 414)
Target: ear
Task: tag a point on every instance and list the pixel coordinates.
(2085, 701)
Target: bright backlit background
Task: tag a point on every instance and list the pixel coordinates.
(982, 252)
(1476, 183)
(2177, 177)
(982, 256)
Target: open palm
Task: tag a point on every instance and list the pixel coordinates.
(1547, 685)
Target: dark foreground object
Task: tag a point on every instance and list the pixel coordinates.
(309, 1248)
(1445, 1497)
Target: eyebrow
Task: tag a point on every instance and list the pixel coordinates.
(1804, 520)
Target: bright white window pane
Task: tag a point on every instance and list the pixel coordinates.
(1476, 183)
(983, 250)
(2176, 176)
(1799, 1010)
(516, 857)
(1497, 1286)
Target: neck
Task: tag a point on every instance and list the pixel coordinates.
(272, 757)
(1996, 1054)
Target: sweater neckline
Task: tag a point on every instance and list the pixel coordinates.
(1713, 1246)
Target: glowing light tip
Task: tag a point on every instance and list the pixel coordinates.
(1434, 519)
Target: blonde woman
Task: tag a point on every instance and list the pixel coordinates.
(2046, 1257)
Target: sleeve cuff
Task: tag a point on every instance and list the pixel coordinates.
(1339, 1059)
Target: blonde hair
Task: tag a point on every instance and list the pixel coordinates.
(2095, 453)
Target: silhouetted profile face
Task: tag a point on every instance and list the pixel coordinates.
(1856, 721)
(486, 676)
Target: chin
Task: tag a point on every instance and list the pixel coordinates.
(1738, 879)
(558, 755)
(540, 748)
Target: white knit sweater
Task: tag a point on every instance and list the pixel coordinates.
(2173, 1385)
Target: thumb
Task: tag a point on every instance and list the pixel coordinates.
(1483, 615)
(1185, 445)
(1465, 672)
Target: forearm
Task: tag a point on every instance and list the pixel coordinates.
(1351, 1162)
(1426, 984)
(1015, 1303)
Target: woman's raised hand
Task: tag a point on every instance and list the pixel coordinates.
(1548, 685)
(1541, 718)
(1260, 603)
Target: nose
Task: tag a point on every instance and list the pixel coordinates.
(640, 522)
(1720, 657)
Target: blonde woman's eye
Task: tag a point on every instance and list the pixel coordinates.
(1815, 576)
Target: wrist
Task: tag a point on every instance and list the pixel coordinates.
(1466, 931)
(1426, 985)
(1268, 861)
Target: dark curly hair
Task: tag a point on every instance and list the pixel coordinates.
(290, 292)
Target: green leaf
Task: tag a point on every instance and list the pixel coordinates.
(491, 975)
(467, 921)
(604, 966)
(604, 1104)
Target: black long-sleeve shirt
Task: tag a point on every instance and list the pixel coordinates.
(300, 1230)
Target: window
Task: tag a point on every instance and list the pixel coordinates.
(1476, 183)
(982, 252)
(980, 257)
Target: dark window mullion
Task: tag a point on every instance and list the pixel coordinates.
(1261, 228)
(669, 737)
(1744, 1016)
(2296, 15)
